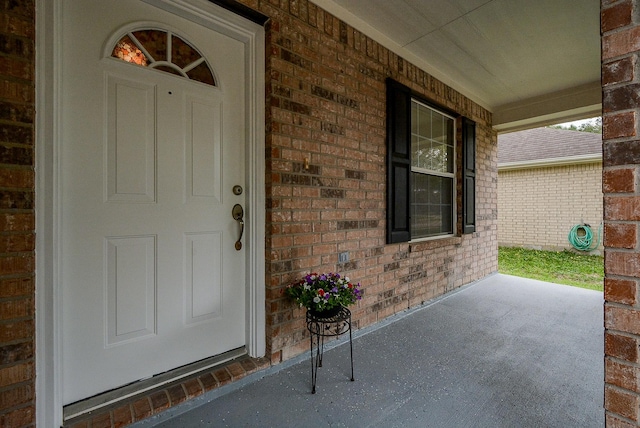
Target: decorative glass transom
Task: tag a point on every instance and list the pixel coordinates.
(163, 51)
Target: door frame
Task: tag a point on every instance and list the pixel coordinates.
(49, 331)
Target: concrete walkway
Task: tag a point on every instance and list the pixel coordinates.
(502, 352)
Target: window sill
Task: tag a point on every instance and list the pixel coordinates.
(435, 243)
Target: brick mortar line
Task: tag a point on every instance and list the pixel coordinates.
(24, 82)
(622, 251)
(620, 417)
(18, 211)
(15, 56)
(12, 145)
(15, 408)
(622, 362)
(619, 305)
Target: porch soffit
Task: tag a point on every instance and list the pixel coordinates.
(530, 63)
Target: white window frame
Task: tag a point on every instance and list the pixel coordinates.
(452, 175)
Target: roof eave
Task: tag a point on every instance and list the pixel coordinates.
(544, 163)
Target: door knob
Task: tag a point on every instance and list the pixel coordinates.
(238, 215)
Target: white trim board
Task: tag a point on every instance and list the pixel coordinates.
(546, 163)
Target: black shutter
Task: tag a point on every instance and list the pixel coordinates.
(468, 176)
(398, 162)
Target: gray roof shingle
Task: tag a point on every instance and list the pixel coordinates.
(546, 143)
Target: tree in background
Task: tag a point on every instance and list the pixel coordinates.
(593, 125)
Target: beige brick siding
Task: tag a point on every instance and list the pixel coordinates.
(537, 207)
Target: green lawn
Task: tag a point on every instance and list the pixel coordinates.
(563, 267)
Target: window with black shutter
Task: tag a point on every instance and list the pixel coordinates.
(421, 169)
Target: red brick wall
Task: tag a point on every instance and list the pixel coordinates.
(326, 103)
(17, 331)
(621, 156)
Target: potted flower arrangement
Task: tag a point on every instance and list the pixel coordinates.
(324, 292)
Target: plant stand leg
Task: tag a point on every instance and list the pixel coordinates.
(321, 350)
(315, 360)
(351, 351)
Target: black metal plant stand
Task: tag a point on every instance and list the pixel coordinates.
(327, 326)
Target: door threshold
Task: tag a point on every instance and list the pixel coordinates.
(91, 404)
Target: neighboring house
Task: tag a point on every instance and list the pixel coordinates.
(137, 138)
(549, 180)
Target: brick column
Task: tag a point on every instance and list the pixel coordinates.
(621, 162)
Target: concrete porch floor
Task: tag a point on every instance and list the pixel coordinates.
(501, 352)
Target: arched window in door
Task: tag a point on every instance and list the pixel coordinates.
(163, 51)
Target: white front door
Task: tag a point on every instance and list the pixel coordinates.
(151, 278)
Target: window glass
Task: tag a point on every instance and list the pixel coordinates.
(126, 50)
(154, 42)
(431, 207)
(432, 172)
(150, 48)
(202, 73)
(182, 54)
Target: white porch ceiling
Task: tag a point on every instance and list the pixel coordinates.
(529, 62)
